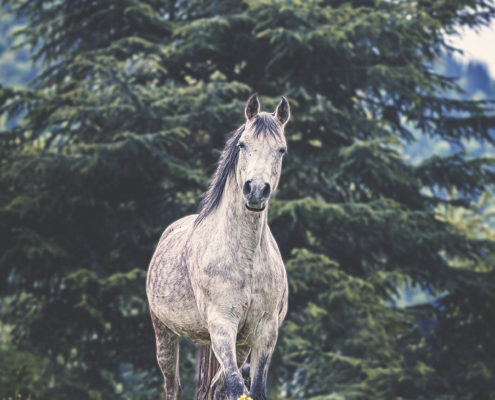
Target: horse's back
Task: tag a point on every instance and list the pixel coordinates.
(168, 287)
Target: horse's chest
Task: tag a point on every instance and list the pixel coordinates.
(262, 277)
(266, 286)
(233, 282)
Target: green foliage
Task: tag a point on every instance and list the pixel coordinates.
(121, 129)
(20, 372)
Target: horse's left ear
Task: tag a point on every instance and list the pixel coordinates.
(282, 113)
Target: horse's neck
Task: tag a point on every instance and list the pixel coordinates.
(243, 229)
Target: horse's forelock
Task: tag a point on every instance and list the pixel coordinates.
(265, 123)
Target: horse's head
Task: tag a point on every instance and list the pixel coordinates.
(262, 146)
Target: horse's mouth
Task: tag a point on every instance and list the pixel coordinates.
(255, 209)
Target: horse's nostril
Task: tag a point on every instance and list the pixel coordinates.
(266, 191)
(247, 188)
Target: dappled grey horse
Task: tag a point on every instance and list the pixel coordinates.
(217, 277)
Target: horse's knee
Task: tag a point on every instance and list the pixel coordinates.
(234, 386)
(231, 387)
(173, 393)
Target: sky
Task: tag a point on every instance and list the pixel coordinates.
(478, 45)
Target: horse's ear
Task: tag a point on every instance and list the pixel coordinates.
(282, 113)
(252, 107)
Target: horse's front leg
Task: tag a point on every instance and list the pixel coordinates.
(261, 353)
(167, 355)
(223, 334)
(242, 353)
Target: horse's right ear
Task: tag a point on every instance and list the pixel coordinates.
(282, 113)
(252, 107)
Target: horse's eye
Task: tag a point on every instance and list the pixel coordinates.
(282, 150)
(242, 145)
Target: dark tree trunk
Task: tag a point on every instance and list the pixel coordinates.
(206, 368)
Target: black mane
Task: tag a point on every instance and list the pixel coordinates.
(263, 124)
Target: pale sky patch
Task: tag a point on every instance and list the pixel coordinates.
(478, 45)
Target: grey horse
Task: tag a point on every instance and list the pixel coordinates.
(217, 277)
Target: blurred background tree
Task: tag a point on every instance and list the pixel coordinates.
(118, 134)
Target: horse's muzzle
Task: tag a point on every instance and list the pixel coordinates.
(256, 192)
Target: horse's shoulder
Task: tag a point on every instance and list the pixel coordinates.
(279, 261)
(272, 243)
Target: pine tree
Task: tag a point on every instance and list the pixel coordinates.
(122, 128)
